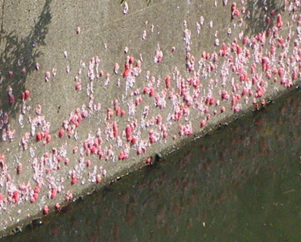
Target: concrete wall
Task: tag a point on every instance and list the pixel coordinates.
(118, 119)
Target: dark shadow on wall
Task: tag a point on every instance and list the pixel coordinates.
(256, 13)
(19, 56)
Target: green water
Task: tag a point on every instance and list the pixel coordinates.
(240, 183)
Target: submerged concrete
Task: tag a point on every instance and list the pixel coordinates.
(93, 91)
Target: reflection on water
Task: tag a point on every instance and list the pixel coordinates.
(241, 183)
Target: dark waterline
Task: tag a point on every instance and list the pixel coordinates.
(240, 183)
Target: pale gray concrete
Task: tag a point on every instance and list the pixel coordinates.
(45, 32)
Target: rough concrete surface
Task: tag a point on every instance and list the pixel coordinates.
(92, 90)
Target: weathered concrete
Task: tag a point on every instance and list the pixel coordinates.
(210, 84)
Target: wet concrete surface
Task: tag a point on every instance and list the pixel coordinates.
(91, 92)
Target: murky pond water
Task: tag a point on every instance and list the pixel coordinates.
(240, 183)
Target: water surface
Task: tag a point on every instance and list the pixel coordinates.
(240, 183)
